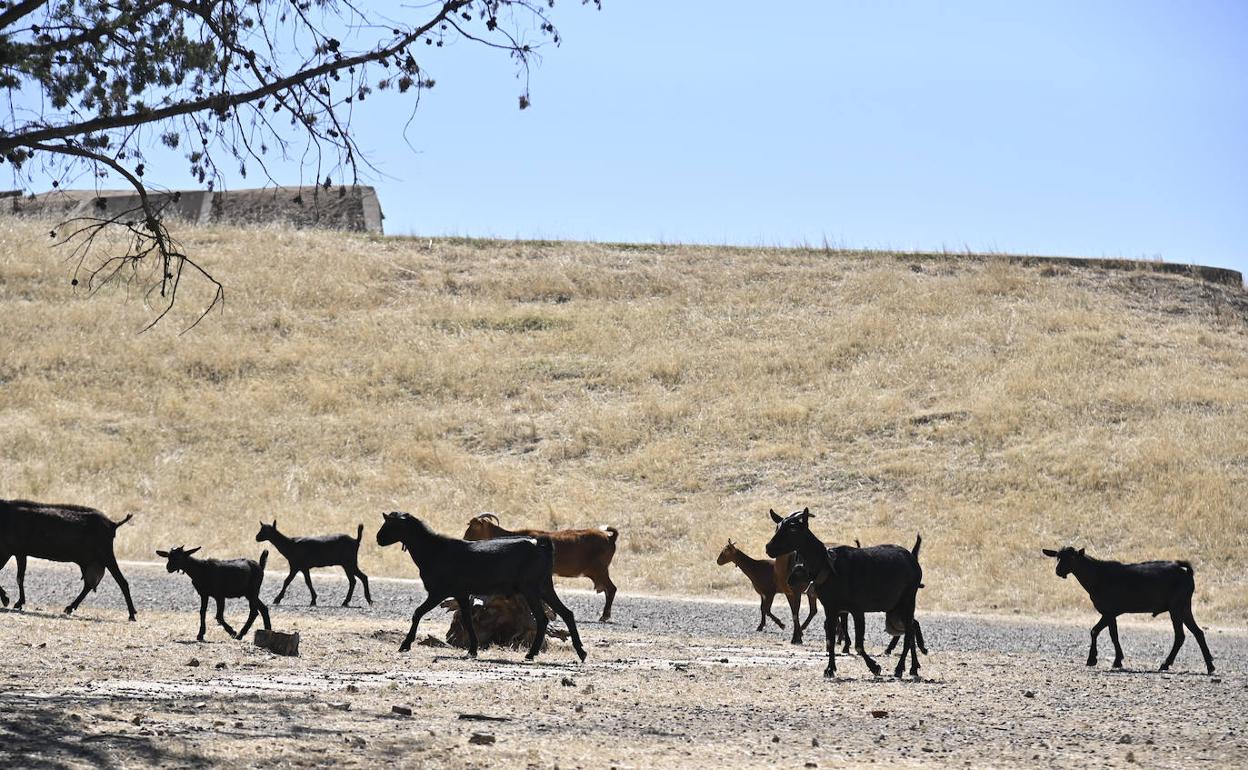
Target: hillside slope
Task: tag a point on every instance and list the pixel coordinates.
(674, 392)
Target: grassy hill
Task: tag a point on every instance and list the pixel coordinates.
(674, 392)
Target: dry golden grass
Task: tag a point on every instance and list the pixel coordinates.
(674, 392)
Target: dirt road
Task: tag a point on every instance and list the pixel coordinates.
(670, 683)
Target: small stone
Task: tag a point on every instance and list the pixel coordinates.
(1131, 757)
(879, 713)
(589, 689)
(340, 705)
(1216, 680)
(580, 708)
(352, 688)
(482, 739)
(1125, 739)
(567, 682)
(138, 719)
(201, 705)
(220, 666)
(193, 663)
(775, 739)
(1029, 693)
(403, 711)
(814, 742)
(811, 764)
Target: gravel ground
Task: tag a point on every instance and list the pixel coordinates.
(682, 682)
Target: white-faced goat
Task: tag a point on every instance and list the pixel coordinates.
(305, 553)
(460, 569)
(1152, 586)
(880, 578)
(222, 579)
(799, 576)
(71, 533)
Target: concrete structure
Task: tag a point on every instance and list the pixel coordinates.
(338, 208)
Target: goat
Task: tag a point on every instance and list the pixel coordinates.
(799, 575)
(459, 569)
(769, 577)
(1151, 586)
(578, 552)
(70, 533)
(222, 579)
(304, 553)
(881, 578)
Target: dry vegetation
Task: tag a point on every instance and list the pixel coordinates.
(674, 392)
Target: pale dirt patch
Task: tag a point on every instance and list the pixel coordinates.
(96, 691)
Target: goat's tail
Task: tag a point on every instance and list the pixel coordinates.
(359, 534)
(1186, 566)
(918, 541)
(117, 524)
(612, 533)
(264, 558)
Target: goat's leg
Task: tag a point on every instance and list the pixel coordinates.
(795, 607)
(4, 598)
(843, 624)
(203, 616)
(762, 612)
(1113, 637)
(603, 583)
(221, 617)
(257, 607)
(892, 644)
(1190, 622)
(1096, 631)
(21, 582)
(918, 637)
(551, 598)
(860, 628)
(913, 627)
(120, 579)
(906, 611)
(278, 599)
(540, 621)
(364, 580)
(768, 613)
(1176, 620)
(814, 610)
(829, 632)
(251, 618)
(350, 585)
(429, 603)
(307, 578)
(86, 589)
(465, 603)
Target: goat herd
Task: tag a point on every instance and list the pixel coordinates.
(849, 580)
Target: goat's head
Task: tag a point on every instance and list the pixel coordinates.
(726, 555)
(267, 531)
(1066, 559)
(177, 558)
(481, 527)
(395, 526)
(791, 532)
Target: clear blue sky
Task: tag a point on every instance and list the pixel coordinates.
(1079, 128)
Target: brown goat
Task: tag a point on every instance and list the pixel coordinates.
(770, 577)
(578, 552)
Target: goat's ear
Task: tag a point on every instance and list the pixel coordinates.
(775, 516)
(275, 524)
(806, 511)
(193, 550)
(163, 554)
(1081, 552)
(1050, 552)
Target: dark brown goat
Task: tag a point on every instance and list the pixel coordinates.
(578, 552)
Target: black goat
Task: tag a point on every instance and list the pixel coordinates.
(799, 575)
(222, 579)
(881, 578)
(1151, 586)
(461, 569)
(304, 553)
(72, 533)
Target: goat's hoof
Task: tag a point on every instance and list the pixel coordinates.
(405, 647)
(472, 654)
(69, 610)
(529, 656)
(4, 601)
(582, 655)
(1091, 661)
(19, 605)
(346, 604)
(923, 650)
(1164, 667)
(829, 673)
(1210, 667)
(1117, 664)
(132, 617)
